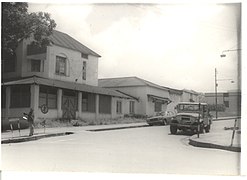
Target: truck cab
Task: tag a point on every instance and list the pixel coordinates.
(191, 116)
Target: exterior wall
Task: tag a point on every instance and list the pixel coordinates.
(144, 105)
(125, 106)
(233, 98)
(139, 92)
(210, 98)
(74, 66)
(235, 101)
(150, 104)
(188, 96)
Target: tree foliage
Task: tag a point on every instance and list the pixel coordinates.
(18, 23)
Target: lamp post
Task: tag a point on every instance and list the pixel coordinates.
(224, 55)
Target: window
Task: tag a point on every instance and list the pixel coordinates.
(88, 102)
(104, 104)
(225, 94)
(157, 106)
(20, 96)
(35, 65)
(83, 55)
(60, 65)
(48, 96)
(84, 70)
(226, 103)
(119, 107)
(132, 107)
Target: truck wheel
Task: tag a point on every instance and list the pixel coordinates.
(173, 129)
(207, 129)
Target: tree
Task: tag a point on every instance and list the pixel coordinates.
(18, 24)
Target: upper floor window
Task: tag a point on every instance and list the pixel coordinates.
(60, 65)
(83, 55)
(84, 70)
(35, 65)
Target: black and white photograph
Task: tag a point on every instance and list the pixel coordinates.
(122, 88)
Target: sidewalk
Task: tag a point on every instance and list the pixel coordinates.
(219, 138)
(22, 135)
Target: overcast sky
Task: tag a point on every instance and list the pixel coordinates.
(172, 45)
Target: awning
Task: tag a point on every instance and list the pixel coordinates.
(67, 85)
(162, 100)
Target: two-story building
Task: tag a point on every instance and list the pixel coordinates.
(61, 77)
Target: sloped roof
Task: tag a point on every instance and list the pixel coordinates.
(64, 40)
(68, 85)
(190, 91)
(127, 82)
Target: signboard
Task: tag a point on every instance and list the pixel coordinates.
(44, 109)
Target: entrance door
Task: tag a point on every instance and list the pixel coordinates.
(69, 107)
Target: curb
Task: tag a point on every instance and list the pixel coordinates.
(226, 118)
(211, 145)
(116, 128)
(32, 138)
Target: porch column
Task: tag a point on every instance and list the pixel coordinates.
(112, 107)
(7, 105)
(59, 103)
(96, 106)
(79, 104)
(35, 100)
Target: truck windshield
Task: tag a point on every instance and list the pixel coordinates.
(188, 107)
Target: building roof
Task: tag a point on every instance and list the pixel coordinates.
(190, 91)
(67, 85)
(64, 40)
(127, 82)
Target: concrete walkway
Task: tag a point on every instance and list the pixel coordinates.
(218, 137)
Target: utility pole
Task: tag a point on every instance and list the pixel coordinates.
(216, 108)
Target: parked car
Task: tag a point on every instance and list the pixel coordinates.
(161, 118)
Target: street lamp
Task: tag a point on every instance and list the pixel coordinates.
(216, 94)
(224, 55)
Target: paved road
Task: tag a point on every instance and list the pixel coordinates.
(138, 150)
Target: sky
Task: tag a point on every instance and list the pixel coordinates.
(172, 45)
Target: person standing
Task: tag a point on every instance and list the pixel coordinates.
(30, 119)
